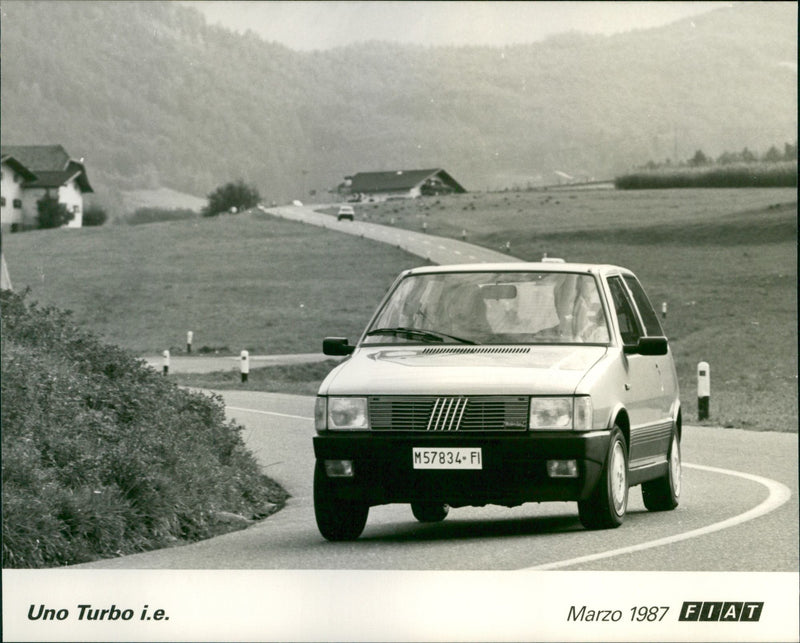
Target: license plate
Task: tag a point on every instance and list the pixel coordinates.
(447, 458)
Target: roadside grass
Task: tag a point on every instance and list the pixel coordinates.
(724, 260)
(102, 456)
(238, 282)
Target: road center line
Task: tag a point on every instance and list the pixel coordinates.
(283, 415)
(778, 495)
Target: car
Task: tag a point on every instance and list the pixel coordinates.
(500, 384)
(346, 212)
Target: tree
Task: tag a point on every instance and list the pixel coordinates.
(698, 159)
(231, 195)
(51, 213)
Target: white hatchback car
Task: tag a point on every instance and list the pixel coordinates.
(500, 384)
(346, 212)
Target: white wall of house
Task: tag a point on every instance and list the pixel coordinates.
(11, 209)
(70, 195)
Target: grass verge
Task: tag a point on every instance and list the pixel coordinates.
(101, 456)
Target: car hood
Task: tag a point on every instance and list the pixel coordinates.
(457, 370)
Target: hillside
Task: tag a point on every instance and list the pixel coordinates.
(154, 97)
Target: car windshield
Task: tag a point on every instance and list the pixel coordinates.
(492, 308)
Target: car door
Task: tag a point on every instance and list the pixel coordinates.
(644, 390)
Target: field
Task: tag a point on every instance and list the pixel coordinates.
(724, 261)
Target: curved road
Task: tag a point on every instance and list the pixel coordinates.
(739, 512)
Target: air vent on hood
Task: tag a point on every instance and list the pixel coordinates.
(476, 350)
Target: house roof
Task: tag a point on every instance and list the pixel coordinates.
(50, 164)
(47, 158)
(399, 180)
(18, 167)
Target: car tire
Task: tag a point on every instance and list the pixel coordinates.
(606, 507)
(430, 511)
(337, 519)
(664, 493)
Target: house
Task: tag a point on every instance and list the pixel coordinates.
(400, 184)
(51, 172)
(13, 174)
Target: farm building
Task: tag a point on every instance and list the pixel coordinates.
(38, 170)
(400, 184)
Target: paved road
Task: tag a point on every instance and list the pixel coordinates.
(211, 364)
(739, 512)
(438, 250)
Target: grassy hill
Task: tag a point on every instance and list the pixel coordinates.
(153, 97)
(725, 261)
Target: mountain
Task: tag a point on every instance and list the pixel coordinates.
(153, 97)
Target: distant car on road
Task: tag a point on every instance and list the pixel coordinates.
(297, 204)
(500, 384)
(346, 213)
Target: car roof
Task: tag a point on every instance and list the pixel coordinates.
(523, 266)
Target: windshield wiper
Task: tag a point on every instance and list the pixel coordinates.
(429, 335)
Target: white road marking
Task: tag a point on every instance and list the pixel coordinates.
(778, 495)
(283, 415)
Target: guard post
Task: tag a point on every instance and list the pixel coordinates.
(244, 365)
(166, 363)
(189, 337)
(664, 310)
(703, 390)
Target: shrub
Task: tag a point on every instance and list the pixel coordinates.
(231, 195)
(94, 215)
(51, 213)
(103, 456)
(741, 175)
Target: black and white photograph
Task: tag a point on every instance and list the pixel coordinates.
(365, 320)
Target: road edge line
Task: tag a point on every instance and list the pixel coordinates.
(779, 494)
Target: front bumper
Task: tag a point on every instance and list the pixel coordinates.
(514, 468)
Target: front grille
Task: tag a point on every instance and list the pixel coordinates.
(448, 413)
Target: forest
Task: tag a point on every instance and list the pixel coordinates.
(151, 96)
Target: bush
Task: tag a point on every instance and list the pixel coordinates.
(742, 175)
(231, 195)
(103, 456)
(51, 213)
(94, 215)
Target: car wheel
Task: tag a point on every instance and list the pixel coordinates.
(606, 507)
(664, 493)
(430, 511)
(337, 519)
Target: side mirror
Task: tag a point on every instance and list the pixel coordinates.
(337, 346)
(648, 346)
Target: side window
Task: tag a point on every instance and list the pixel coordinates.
(626, 318)
(651, 324)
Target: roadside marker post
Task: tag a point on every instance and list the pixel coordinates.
(166, 362)
(664, 310)
(703, 390)
(245, 365)
(189, 337)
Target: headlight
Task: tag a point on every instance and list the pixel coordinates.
(560, 413)
(347, 413)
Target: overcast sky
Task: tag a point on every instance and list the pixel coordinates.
(306, 25)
